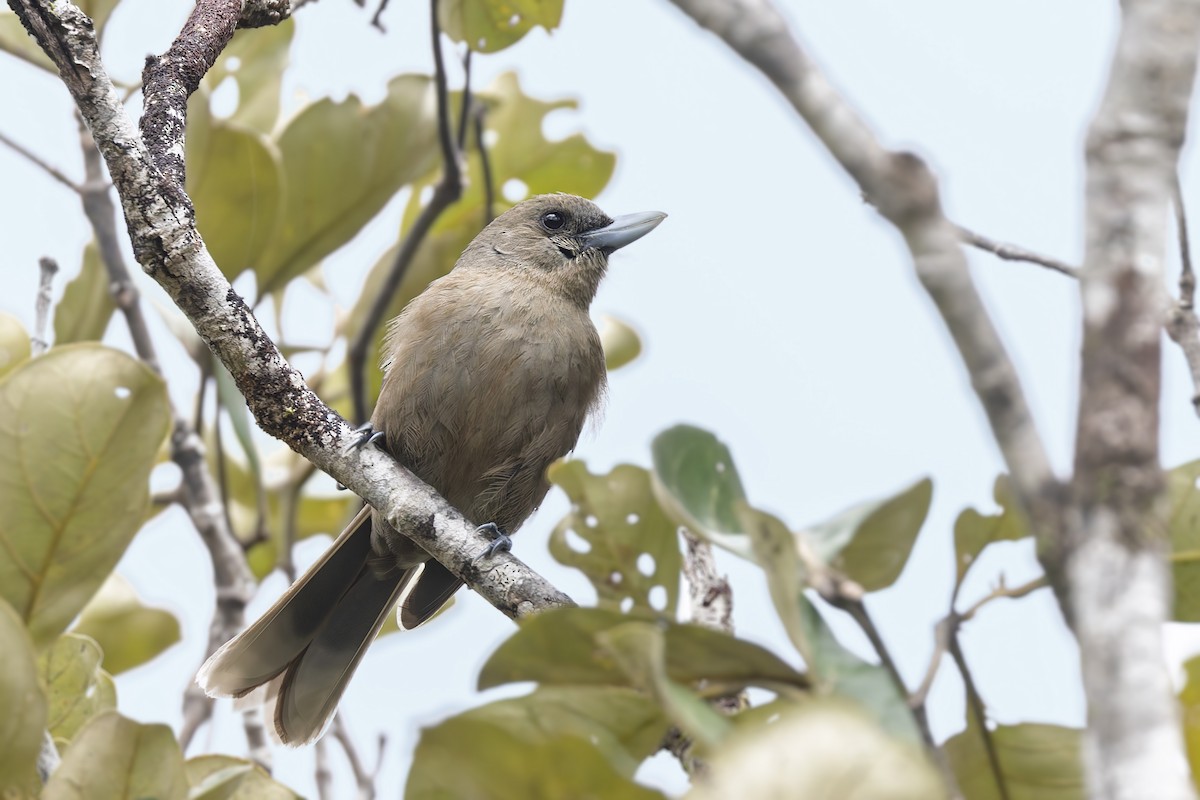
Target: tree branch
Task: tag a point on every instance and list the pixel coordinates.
(38, 162)
(47, 269)
(1012, 252)
(171, 251)
(1182, 325)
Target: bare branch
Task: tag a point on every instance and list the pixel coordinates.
(39, 342)
(1182, 325)
(38, 162)
(1011, 252)
(364, 780)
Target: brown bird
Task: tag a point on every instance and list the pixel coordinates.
(489, 376)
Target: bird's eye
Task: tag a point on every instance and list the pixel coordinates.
(553, 220)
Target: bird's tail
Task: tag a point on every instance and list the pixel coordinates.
(309, 643)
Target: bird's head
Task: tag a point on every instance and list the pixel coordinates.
(560, 239)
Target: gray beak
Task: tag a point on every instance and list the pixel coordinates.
(623, 230)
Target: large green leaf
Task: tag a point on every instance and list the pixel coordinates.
(130, 632)
(79, 431)
(1037, 762)
(504, 765)
(870, 543)
(87, 304)
(24, 708)
(974, 531)
(821, 749)
(14, 343)
(76, 687)
(492, 25)
(118, 759)
(699, 486)
(214, 777)
(343, 163)
(632, 548)
(559, 647)
(520, 152)
(1183, 527)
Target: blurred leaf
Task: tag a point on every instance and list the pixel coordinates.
(16, 42)
(1189, 701)
(80, 429)
(99, 11)
(255, 59)
(620, 341)
(775, 551)
(870, 543)
(820, 749)
(76, 687)
(517, 151)
(559, 647)
(235, 178)
(87, 305)
(14, 343)
(698, 485)
(850, 676)
(184, 333)
(24, 717)
(974, 531)
(343, 163)
(620, 522)
(1039, 762)
(1183, 527)
(118, 759)
(234, 403)
(504, 765)
(639, 649)
(491, 25)
(214, 777)
(129, 632)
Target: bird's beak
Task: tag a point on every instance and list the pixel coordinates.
(623, 230)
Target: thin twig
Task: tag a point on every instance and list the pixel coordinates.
(977, 708)
(445, 194)
(1012, 252)
(364, 779)
(485, 162)
(375, 19)
(322, 775)
(39, 342)
(465, 110)
(45, 166)
(1182, 324)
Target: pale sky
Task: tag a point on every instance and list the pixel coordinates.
(776, 308)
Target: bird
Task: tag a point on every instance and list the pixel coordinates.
(489, 376)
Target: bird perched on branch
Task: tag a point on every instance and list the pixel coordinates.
(489, 376)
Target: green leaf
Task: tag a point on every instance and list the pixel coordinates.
(504, 765)
(76, 687)
(255, 60)
(129, 632)
(559, 647)
(698, 485)
(343, 163)
(492, 25)
(1183, 527)
(639, 649)
(974, 531)
(87, 304)
(1189, 701)
(620, 522)
(1038, 762)
(14, 343)
(24, 716)
(80, 429)
(775, 551)
(520, 153)
(118, 759)
(870, 543)
(848, 675)
(235, 178)
(16, 42)
(99, 11)
(620, 341)
(819, 749)
(234, 403)
(215, 777)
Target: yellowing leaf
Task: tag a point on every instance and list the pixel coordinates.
(129, 632)
(87, 305)
(80, 428)
(214, 777)
(118, 759)
(14, 343)
(492, 25)
(621, 342)
(1037, 762)
(24, 716)
(77, 688)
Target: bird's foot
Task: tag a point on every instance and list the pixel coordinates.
(501, 542)
(366, 435)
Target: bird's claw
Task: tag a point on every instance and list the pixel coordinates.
(501, 542)
(366, 435)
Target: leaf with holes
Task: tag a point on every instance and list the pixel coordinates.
(488, 26)
(254, 60)
(14, 343)
(24, 716)
(629, 549)
(87, 305)
(518, 151)
(974, 531)
(118, 759)
(698, 485)
(129, 632)
(80, 429)
(76, 687)
(559, 647)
